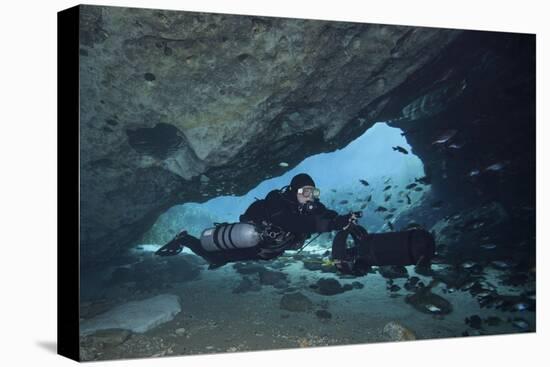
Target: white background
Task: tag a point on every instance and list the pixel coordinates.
(28, 189)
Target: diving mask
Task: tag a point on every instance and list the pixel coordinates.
(309, 191)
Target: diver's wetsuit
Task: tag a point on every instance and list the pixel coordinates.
(280, 209)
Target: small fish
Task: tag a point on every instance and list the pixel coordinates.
(387, 197)
(400, 149)
(468, 264)
(283, 164)
(390, 226)
(502, 264)
(521, 306)
(520, 323)
(392, 210)
(333, 190)
(408, 199)
(467, 286)
(488, 246)
(369, 198)
(364, 182)
(344, 202)
(433, 308)
(381, 209)
(445, 137)
(389, 216)
(496, 167)
(363, 206)
(473, 173)
(387, 188)
(394, 288)
(418, 189)
(456, 146)
(400, 201)
(350, 193)
(483, 294)
(387, 180)
(410, 186)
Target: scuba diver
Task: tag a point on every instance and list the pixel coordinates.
(282, 221)
(286, 218)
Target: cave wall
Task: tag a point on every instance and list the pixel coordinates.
(179, 106)
(480, 91)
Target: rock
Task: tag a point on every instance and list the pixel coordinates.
(275, 278)
(248, 268)
(136, 316)
(411, 284)
(394, 288)
(521, 324)
(460, 233)
(493, 321)
(312, 264)
(330, 287)
(181, 270)
(323, 314)
(474, 321)
(91, 309)
(296, 302)
(110, 337)
(427, 302)
(395, 331)
(393, 272)
(121, 275)
(452, 277)
(247, 285)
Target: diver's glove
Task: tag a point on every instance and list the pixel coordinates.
(342, 221)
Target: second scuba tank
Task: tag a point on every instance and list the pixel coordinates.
(228, 236)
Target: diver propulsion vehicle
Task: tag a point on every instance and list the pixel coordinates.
(410, 247)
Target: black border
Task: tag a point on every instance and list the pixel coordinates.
(68, 185)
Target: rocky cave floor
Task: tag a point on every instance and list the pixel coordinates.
(300, 301)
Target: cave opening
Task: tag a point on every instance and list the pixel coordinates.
(376, 174)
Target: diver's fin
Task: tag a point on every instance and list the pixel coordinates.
(174, 247)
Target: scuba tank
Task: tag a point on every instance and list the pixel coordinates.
(238, 236)
(228, 236)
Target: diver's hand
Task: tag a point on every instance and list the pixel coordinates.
(352, 219)
(343, 221)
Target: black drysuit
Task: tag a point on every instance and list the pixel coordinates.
(280, 210)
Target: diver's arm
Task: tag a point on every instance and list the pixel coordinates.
(296, 223)
(292, 222)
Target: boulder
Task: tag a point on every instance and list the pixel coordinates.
(394, 331)
(136, 316)
(296, 302)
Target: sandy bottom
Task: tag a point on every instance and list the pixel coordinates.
(214, 319)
